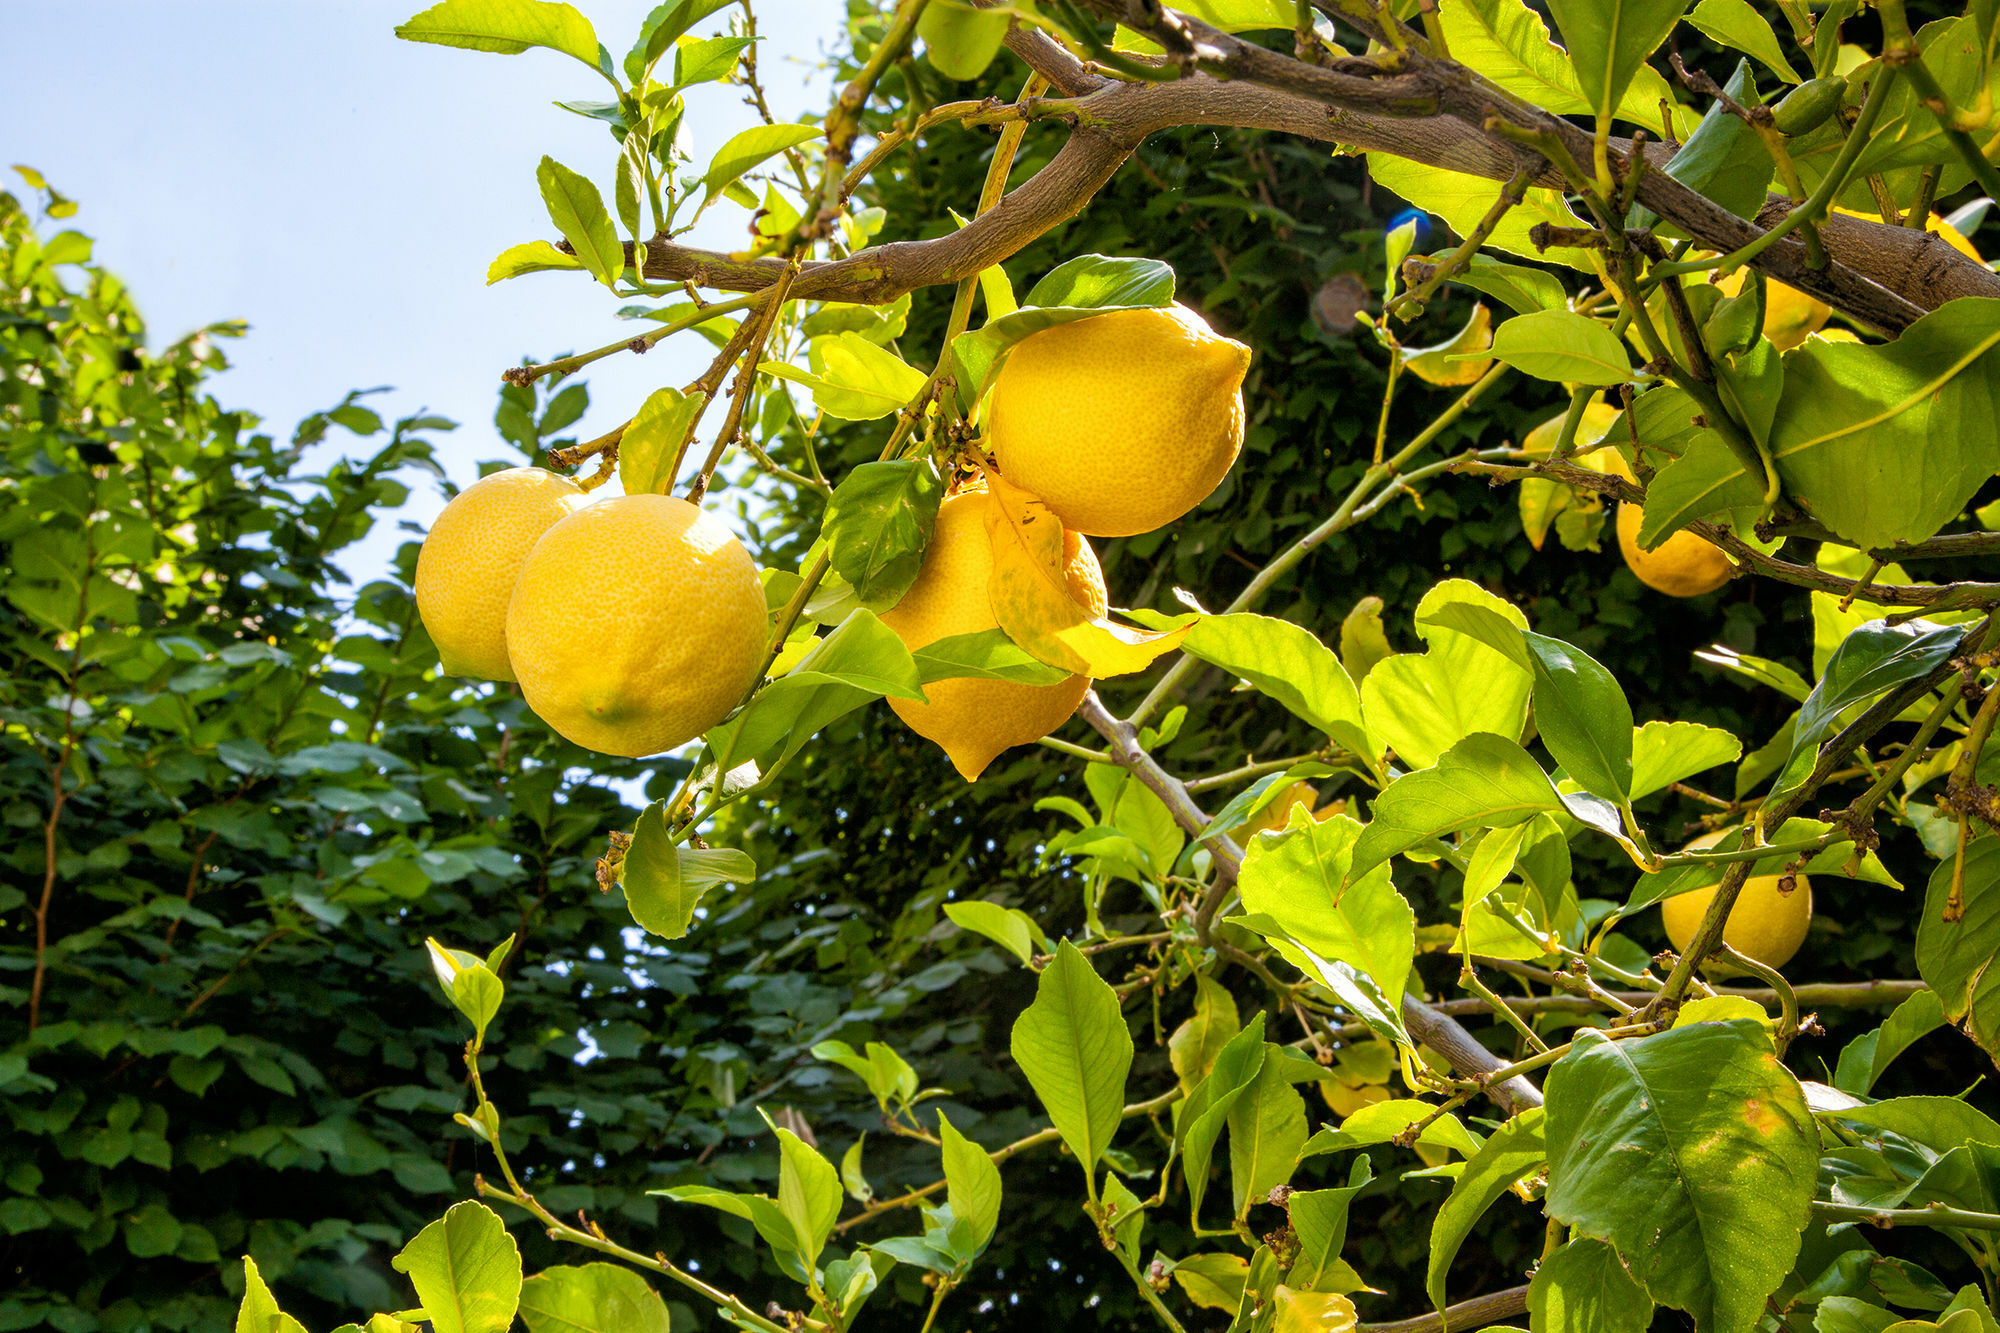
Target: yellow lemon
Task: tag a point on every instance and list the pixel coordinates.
(1278, 813)
(636, 625)
(1681, 566)
(1765, 924)
(1121, 422)
(1312, 1312)
(974, 720)
(470, 559)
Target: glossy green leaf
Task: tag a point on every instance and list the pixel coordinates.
(705, 61)
(1288, 664)
(1956, 957)
(466, 1269)
(1664, 753)
(1609, 41)
(1693, 1154)
(1584, 1288)
(646, 450)
(878, 525)
(808, 1193)
(259, 1312)
(1519, 288)
(530, 257)
(1873, 659)
(507, 27)
(960, 41)
(1462, 200)
(1508, 43)
(662, 28)
(1863, 1060)
(1267, 1127)
(1073, 1045)
(1422, 704)
(986, 654)
(1304, 880)
(577, 209)
(1887, 443)
(1511, 1153)
(1319, 1221)
(1707, 480)
(1583, 716)
(1560, 345)
(972, 1183)
(1738, 25)
(1206, 1113)
(747, 150)
(1724, 158)
(592, 1298)
(1009, 927)
(1484, 781)
(853, 378)
(861, 660)
(1908, 134)
(664, 884)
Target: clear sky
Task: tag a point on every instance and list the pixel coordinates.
(295, 165)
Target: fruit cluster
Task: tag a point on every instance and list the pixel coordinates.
(635, 624)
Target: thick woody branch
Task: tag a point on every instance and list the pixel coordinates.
(1883, 275)
(1435, 1030)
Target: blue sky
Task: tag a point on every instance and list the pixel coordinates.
(294, 165)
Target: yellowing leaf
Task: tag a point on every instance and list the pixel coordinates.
(1031, 599)
(1441, 364)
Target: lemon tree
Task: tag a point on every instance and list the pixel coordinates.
(1470, 932)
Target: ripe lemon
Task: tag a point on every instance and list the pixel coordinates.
(1765, 924)
(1121, 422)
(636, 625)
(470, 559)
(974, 720)
(1681, 566)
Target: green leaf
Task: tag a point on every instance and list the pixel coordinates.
(1864, 1059)
(1288, 664)
(808, 1194)
(1955, 957)
(466, 1269)
(1609, 41)
(1513, 1150)
(1938, 1123)
(1519, 288)
(1267, 1127)
(577, 209)
(1724, 158)
(529, 257)
(1319, 1221)
(744, 151)
(1908, 134)
(853, 378)
(1195, 1044)
(662, 28)
(986, 654)
(1385, 1122)
(860, 661)
(1736, 24)
(1213, 1281)
(507, 27)
(1559, 345)
(1693, 1154)
(1423, 704)
(664, 884)
(1887, 443)
(1073, 1045)
(1207, 1110)
(878, 525)
(1009, 927)
(1873, 659)
(1583, 716)
(704, 61)
(1508, 43)
(960, 42)
(1462, 200)
(471, 986)
(1484, 781)
(1584, 1288)
(592, 1298)
(646, 450)
(1706, 480)
(259, 1312)
(1664, 753)
(759, 1210)
(1303, 879)
(972, 1185)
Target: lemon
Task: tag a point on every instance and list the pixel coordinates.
(1765, 924)
(473, 553)
(636, 625)
(1312, 1312)
(1681, 566)
(974, 720)
(1121, 422)
(1278, 813)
